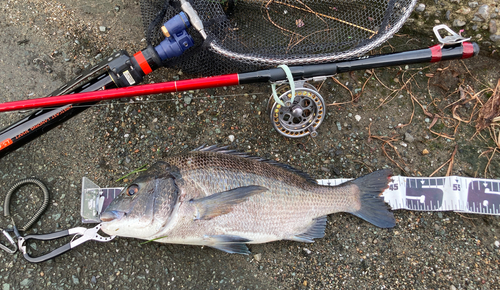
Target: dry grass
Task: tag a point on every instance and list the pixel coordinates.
(466, 107)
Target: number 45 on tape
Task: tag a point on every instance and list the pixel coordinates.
(451, 193)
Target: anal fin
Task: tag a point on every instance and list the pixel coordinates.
(222, 202)
(315, 231)
(230, 244)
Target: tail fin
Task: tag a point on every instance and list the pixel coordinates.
(373, 208)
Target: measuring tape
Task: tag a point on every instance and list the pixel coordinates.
(451, 193)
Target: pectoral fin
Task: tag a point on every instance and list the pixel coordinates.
(222, 202)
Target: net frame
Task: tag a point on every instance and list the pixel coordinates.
(227, 49)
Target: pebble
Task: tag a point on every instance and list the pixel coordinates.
(409, 138)
(458, 23)
(231, 138)
(420, 7)
(477, 19)
(307, 251)
(425, 152)
(473, 4)
(495, 38)
(464, 10)
(5, 286)
(482, 12)
(75, 279)
(102, 28)
(188, 99)
(26, 282)
(427, 120)
(339, 126)
(257, 257)
(358, 117)
(493, 26)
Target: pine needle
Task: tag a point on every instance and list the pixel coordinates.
(152, 240)
(142, 168)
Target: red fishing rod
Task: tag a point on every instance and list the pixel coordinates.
(117, 76)
(432, 54)
(124, 71)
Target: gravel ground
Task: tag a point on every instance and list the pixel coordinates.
(45, 43)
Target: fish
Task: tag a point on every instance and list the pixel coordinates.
(225, 199)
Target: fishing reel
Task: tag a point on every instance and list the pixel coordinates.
(299, 116)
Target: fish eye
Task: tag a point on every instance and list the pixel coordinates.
(132, 189)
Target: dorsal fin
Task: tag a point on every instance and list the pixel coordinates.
(225, 150)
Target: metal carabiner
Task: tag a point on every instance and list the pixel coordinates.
(31, 221)
(12, 242)
(86, 234)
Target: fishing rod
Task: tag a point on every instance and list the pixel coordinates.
(102, 88)
(118, 76)
(432, 54)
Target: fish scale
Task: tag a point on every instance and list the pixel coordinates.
(225, 199)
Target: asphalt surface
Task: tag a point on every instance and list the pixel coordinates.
(43, 44)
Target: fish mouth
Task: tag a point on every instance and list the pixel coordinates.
(111, 215)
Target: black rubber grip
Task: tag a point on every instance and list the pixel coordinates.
(46, 237)
(48, 256)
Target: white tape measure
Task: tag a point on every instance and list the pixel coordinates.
(451, 193)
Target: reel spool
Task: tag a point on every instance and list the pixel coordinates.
(300, 118)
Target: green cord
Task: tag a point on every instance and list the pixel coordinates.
(289, 77)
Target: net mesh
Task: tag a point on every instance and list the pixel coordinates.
(245, 35)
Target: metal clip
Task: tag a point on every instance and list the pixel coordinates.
(86, 234)
(454, 38)
(12, 242)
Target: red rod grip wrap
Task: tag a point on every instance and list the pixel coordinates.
(436, 53)
(468, 50)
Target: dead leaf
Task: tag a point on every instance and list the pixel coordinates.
(490, 111)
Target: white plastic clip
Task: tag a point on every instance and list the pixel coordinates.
(454, 38)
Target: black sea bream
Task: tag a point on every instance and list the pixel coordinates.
(226, 199)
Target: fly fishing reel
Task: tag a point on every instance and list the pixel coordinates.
(300, 117)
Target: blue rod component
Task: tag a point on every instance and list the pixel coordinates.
(177, 39)
(177, 23)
